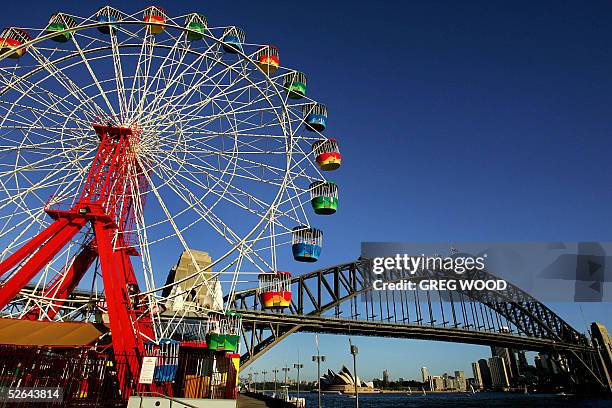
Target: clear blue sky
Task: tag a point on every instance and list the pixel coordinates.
(458, 121)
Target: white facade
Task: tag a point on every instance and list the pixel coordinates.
(477, 375)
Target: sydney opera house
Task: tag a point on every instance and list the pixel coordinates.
(344, 382)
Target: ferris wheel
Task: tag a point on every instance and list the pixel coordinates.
(128, 137)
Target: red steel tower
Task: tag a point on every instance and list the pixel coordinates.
(107, 202)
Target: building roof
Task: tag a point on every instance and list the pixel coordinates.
(342, 377)
(54, 334)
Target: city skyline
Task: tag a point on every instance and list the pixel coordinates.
(498, 372)
(412, 371)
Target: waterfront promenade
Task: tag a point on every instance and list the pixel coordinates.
(248, 402)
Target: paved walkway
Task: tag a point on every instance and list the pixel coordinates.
(248, 402)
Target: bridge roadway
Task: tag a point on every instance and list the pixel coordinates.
(287, 323)
(333, 325)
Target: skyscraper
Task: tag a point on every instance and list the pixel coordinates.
(509, 357)
(548, 364)
(477, 375)
(485, 373)
(425, 374)
(499, 375)
(522, 362)
(461, 381)
(437, 383)
(386, 377)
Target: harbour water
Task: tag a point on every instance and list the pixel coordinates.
(458, 400)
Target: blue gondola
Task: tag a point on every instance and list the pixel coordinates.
(306, 244)
(233, 38)
(107, 14)
(315, 116)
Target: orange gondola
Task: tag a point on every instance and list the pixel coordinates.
(157, 15)
(267, 59)
(327, 154)
(275, 290)
(12, 39)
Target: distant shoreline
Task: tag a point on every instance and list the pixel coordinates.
(415, 392)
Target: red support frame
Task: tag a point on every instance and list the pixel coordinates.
(32, 245)
(63, 284)
(42, 257)
(106, 202)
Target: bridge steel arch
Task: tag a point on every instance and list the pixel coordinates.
(341, 300)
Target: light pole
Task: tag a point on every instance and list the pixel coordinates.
(298, 366)
(255, 375)
(354, 351)
(318, 359)
(275, 371)
(286, 369)
(263, 390)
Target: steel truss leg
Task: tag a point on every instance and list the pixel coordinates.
(42, 257)
(144, 323)
(64, 284)
(32, 245)
(127, 345)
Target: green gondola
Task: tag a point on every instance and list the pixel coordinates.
(324, 197)
(198, 23)
(295, 85)
(59, 23)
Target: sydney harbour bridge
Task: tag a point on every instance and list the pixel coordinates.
(341, 300)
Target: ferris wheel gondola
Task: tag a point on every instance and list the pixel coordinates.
(306, 243)
(197, 24)
(233, 38)
(60, 23)
(274, 290)
(157, 16)
(324, 197)
(267, 59)
(327, 154)
(295, 84)
(108, 14)
(315, 117)
(13, 39)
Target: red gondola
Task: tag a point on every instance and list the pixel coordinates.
(275, 290)
(154, 14)
(11, 39)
